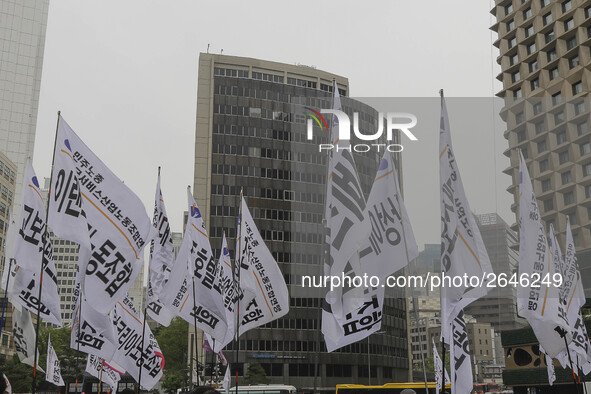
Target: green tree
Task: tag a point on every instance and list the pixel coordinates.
(173, 343)
(256, 374)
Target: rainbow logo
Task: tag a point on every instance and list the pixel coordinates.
(316, 115)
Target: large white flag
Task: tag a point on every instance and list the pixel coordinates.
(130, 354)
(117, 224)
(271, 298)
(539, 302)
(389, 248)
(460, 364)
(24, 336)
(97, 367)
(54, 372)
(440, 371)
(192, 291)
(229, 293)
(32, 250)
(226, 382)
(161, 260)
(347, 228)
(462, 250)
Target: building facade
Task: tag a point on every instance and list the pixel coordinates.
(545, 60)
(499, 306)
(22, 43)
(251, 137)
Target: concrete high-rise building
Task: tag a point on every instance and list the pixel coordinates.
(250, 137)
(22, 42)
(499, 306)
(545, 60)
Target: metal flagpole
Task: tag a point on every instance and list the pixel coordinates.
(43, 259)
(237, 272)
(101, 377)
(570, 361)
(5, 294)
(78, 336)
(139, 380)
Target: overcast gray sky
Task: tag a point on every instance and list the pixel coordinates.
(124, 75)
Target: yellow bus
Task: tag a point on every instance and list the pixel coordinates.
(388, 388)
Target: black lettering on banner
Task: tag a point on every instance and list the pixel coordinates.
(32, 226)
(89, 338)
(68, 189)
(19, 340)
(253, 313)
(204, 316)
(114, 273)
(368, 315)
(346, 188)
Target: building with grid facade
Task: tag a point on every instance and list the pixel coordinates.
(250, 137)
(545, 57)
(22, 42)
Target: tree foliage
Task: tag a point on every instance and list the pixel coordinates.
(173, 343)
(256, 374)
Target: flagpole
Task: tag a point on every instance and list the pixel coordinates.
(78, 336)
(101, 377)
(5, 293)
(195, 323)
(46, 235)
(139, 380)
(237, 269)
(570, 361)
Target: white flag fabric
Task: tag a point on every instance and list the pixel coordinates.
(229, 294)
(24, 336)
(462, 249)
(128, 325)
(32, 249)
(67, 217)
(161, 260)
(440, 371)
(54, 372)
(347, 229)
(538, 304)
(117, 224)
(271, 300)
(460, 364)
(549, 367)
(195, 267)
(226, 382)
(389, 248)
(8, 386)
(96, 367)
(11, 234)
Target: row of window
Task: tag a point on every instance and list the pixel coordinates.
(270, 173)
(576, 87)
(268, 153)
(566, 6)
(578, 107)
(228, 72)
(258, 132)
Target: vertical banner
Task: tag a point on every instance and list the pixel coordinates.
(54, 372)
(461, 367)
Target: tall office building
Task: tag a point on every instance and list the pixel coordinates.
(546, 62)
(22, 42)
(499, 307)
(250, 136)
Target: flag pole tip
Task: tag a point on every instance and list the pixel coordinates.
(441, 92)
(59, 113)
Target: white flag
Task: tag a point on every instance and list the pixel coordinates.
(97, 367)
(8, 388)
(54, 372)
(229, 294)
(389, 248)
(24, 337)
(440, 371)
(67, 217)
(11, 235)
(271, 300)
(128, 324)
(192, 291)
(549, 366)
(117, 223)
(95, 335)
(462, 249)
(538, 304)
(460, 364)
(226, 382)
(161, 260)
(347, 228)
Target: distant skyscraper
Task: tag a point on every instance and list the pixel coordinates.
(499, 307)
(22, 42)
(546, 63)
(250, 138)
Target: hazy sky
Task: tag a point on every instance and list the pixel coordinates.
(124, 75)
